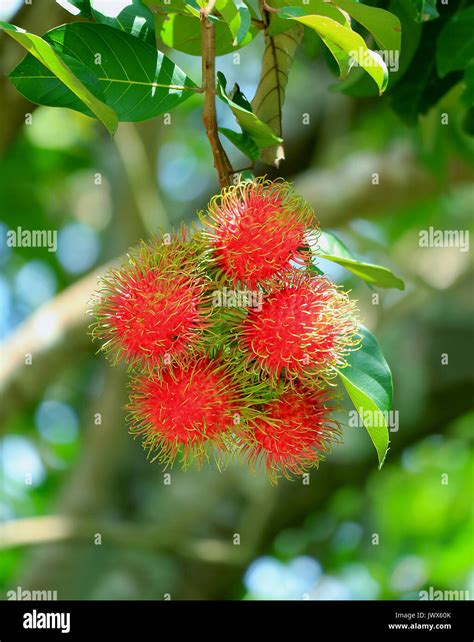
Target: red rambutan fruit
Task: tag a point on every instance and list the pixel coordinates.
(183, 409)
(293, 432)
(256, 228)
(150, 311)
(306, 326)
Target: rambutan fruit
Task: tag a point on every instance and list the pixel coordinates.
(256, 228)
(150, 310)
(292, 433)
(184, 409)
(305, 328)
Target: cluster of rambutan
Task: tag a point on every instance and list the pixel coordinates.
(231, 340)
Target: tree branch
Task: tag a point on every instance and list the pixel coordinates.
(48, 529)
(56, 329)
(221, 161)
(347, 191)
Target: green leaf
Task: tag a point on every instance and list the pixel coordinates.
(243, 142)
(44, 58)
(320, 8)
(368, 382)
(310, 7)
(455, 48)
(130, 16)
(239, 98)
(183, 32)
(258, 131)
(349, 41)
(344, 61)
(332, 249)
(270, 95)
(246, 175)
(468, 81)
(359, 84)
(468, 122)
(425, 10)
(237, 16)
(135, 80)
(421, 87)
(50, 91)
(77, 7)
(383, 25)
(184, 7)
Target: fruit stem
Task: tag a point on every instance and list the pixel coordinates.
(221, 161)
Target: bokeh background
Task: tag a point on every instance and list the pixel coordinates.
(353, 532)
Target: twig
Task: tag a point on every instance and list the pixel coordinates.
(207, 10)
(267, 7)
(221, 161)
(258, 23)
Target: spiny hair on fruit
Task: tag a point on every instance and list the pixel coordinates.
(232, 341)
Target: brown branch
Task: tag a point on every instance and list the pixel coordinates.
(346, 192)
(207, 10)
(221, 161)
(267, 7)
(49, 529)
(56, 332)
(258, 23)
